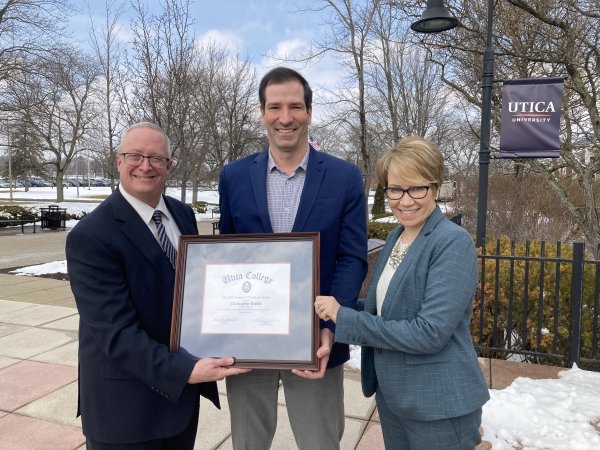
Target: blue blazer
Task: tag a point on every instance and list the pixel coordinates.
(332, 203)
(131, 388)
(419, 354)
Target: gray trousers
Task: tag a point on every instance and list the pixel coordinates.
(315, 408)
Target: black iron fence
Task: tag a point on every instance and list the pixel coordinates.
(538, 303)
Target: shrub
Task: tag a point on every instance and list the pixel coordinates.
(199, 207)
(17, 212)
(21, 212)
(527, 299)
(380, 230)
(75, 216)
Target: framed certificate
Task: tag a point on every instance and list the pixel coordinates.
(249, 296)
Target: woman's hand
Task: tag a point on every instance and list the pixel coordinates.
(327, 307)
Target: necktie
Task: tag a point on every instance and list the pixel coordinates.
(164, 240)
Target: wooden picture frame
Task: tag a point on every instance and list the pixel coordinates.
(249, 296)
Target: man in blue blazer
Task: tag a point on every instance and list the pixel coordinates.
(134, 393)
(291, 187)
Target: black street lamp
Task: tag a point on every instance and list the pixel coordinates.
(434, 19)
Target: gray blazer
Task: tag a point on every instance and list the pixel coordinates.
(419, 353)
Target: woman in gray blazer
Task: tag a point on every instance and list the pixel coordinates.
(417, 353)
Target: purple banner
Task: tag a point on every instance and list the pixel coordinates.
(530, 118)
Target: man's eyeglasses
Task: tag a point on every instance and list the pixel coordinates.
(415, 192)
(135, 159)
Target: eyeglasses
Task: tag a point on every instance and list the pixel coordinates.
(135, 159)
(415, 192)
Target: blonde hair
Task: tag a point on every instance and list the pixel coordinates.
(415, 160)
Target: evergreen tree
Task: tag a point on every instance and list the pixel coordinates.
(27, 154)
(378, 208)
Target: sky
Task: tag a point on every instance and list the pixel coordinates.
(550, 414)
(254, 28)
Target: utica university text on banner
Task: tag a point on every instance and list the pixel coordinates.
(530, 119)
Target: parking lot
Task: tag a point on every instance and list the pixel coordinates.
(35, 182)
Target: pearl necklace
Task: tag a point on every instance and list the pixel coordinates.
(397, 254)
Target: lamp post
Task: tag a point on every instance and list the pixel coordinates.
(10, 178)
(9, 153)
(434, 19)
(486, 117)
(77, 175)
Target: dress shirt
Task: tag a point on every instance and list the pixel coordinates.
(283, 194)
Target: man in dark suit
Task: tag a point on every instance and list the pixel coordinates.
(134, 393)
(290, 187)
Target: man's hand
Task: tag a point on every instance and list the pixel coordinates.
(213, 369)
(327, 307)
(323, 355)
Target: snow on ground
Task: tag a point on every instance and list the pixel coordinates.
(72, 194)
(86, 199)
(552, 414)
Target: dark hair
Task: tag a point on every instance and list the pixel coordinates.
(281, 75)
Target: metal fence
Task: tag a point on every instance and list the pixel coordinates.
(538, 303)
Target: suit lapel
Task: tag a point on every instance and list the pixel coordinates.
(258, 178)
(135, 229)
(415, 250)
(315, 171)
(180, 216)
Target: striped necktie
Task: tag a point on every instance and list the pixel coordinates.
(164, 240)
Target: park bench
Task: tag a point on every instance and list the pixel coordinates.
(16, 222)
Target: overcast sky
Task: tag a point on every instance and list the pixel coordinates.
(254, 28)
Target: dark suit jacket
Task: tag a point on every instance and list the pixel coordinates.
(425, 365)
(332, 203)
(131, 388)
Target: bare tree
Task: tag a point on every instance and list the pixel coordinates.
(393, 89)
(54, 99)
(406, 87)
(228, 106)
(350, 25)
(164, 78)
(29, 28)
(109, 54)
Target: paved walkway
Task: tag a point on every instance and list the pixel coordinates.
(38, 365)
